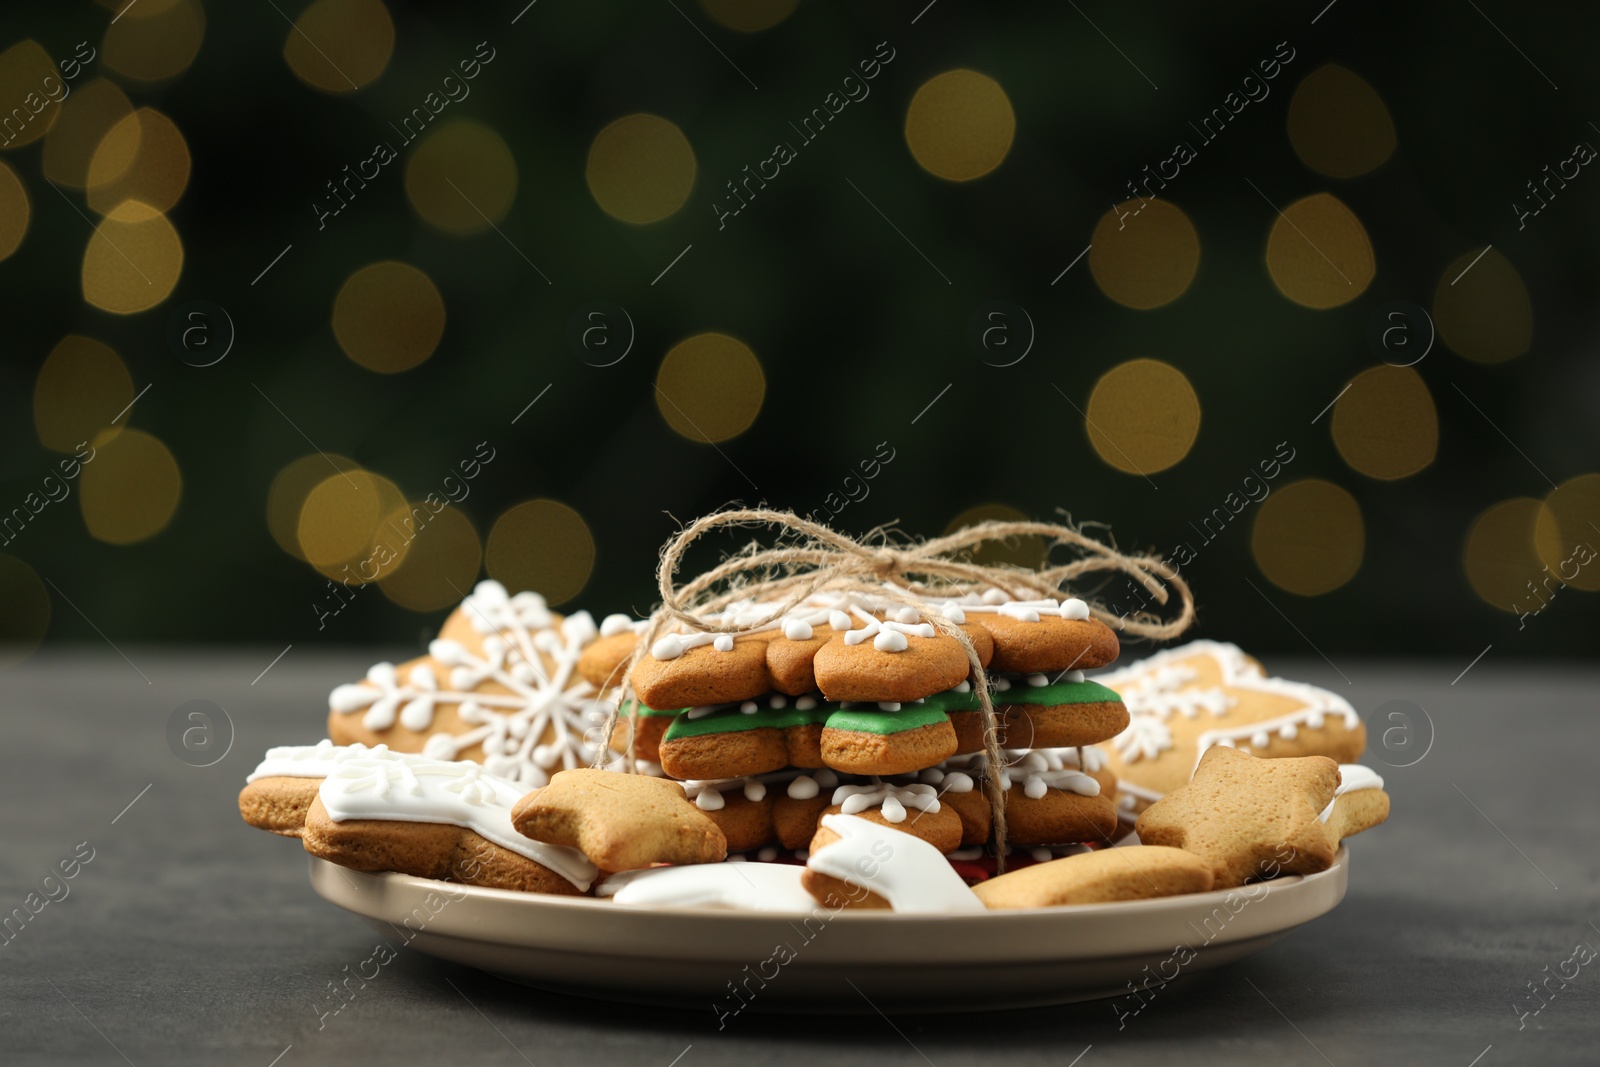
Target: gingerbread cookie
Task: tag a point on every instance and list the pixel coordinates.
(1051, 800)
(1249, 818)
(860, 862)
(700, 669)
(887, 739)
(1358, 804)
(1139, 872)
(386, 811)
(620, 821)
(1188, 699)
(741, 807)
(750, 737)
(796, 811)
(279, 792)
(602, 661)
(1041, 636)
(500, 688)
(1038, 712)
(890, 660)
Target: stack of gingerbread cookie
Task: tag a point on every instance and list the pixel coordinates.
(862, 706)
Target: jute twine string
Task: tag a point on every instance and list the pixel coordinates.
(814, 558)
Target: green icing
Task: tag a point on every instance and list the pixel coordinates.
(635, 708)
(731, 720)
(950, 700)
(909, 717)
(1054, 695)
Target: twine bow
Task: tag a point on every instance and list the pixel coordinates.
(916, 574)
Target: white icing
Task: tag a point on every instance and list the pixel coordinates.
(525, 653)
(612, 625)
(708, 793)
(997, 602)
(807, 786)
(743, 886)
(892, 799)
(906, 871)
(1042, 769)
(318, 760)
(946, 781)
(1353, 778)
(392, 787)
(798, 630)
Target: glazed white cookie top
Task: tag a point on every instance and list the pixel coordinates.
(905, 870)
(318, 760)
(519, 689)
(396, 787)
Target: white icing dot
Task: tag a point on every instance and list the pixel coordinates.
(1288, 731)
(1041, 854)
(1314, 720)
(1035, 788)
(893, 810)
(778, 700)
(767, 855)
(908, 615)
(803, 788)
(958, 782)
(805, 703)
(1073, 608)
(890, 641)
(669, 647)
(838, 620)
(1072, 676)
(1002, 684)
(749, 707)
(709, 800)
(995, 596)
(888, 705)
(612, 625)
(964, 687)
(754, 791)
(1260, 739)
(723, 643)
(1037, 680)
(797, 630)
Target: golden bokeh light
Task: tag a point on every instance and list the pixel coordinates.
(1500, 560)
(24, 610)
(291, 486)
(749, 16)
(1338, 124)
(154, 42)
(30, 86)
(1482, 308)
(133, 260)
(441, 567)
(1144, 253)
(542, 545)
(1318, 253)
(144, 158)
(1308, 537)
(81, 387)
(131, 489)
(339, 46)
(343, 519)
(1020, 551)
(641, 168)
(1385, 424)
(1566, 534)
(461, 177)
(388, 317)
(87, 116)
(959, 125)
(1143, 416)
(710, 387)
(14, 211)
(149, 7)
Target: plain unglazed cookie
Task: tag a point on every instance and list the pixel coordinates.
(620, 821)
(1138, 872)
(1186, 700)
(1249, 818)
(1034, 636)
(673, 676)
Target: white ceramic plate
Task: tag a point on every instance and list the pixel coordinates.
(849, 961)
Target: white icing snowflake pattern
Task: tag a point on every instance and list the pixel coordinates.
(524, 654)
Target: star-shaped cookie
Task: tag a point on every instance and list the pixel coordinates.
(1186, 700)
(620, 821)
(1249, 818)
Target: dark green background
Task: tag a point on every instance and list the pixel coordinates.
(855, 332)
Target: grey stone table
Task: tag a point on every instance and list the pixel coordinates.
(188, 938)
